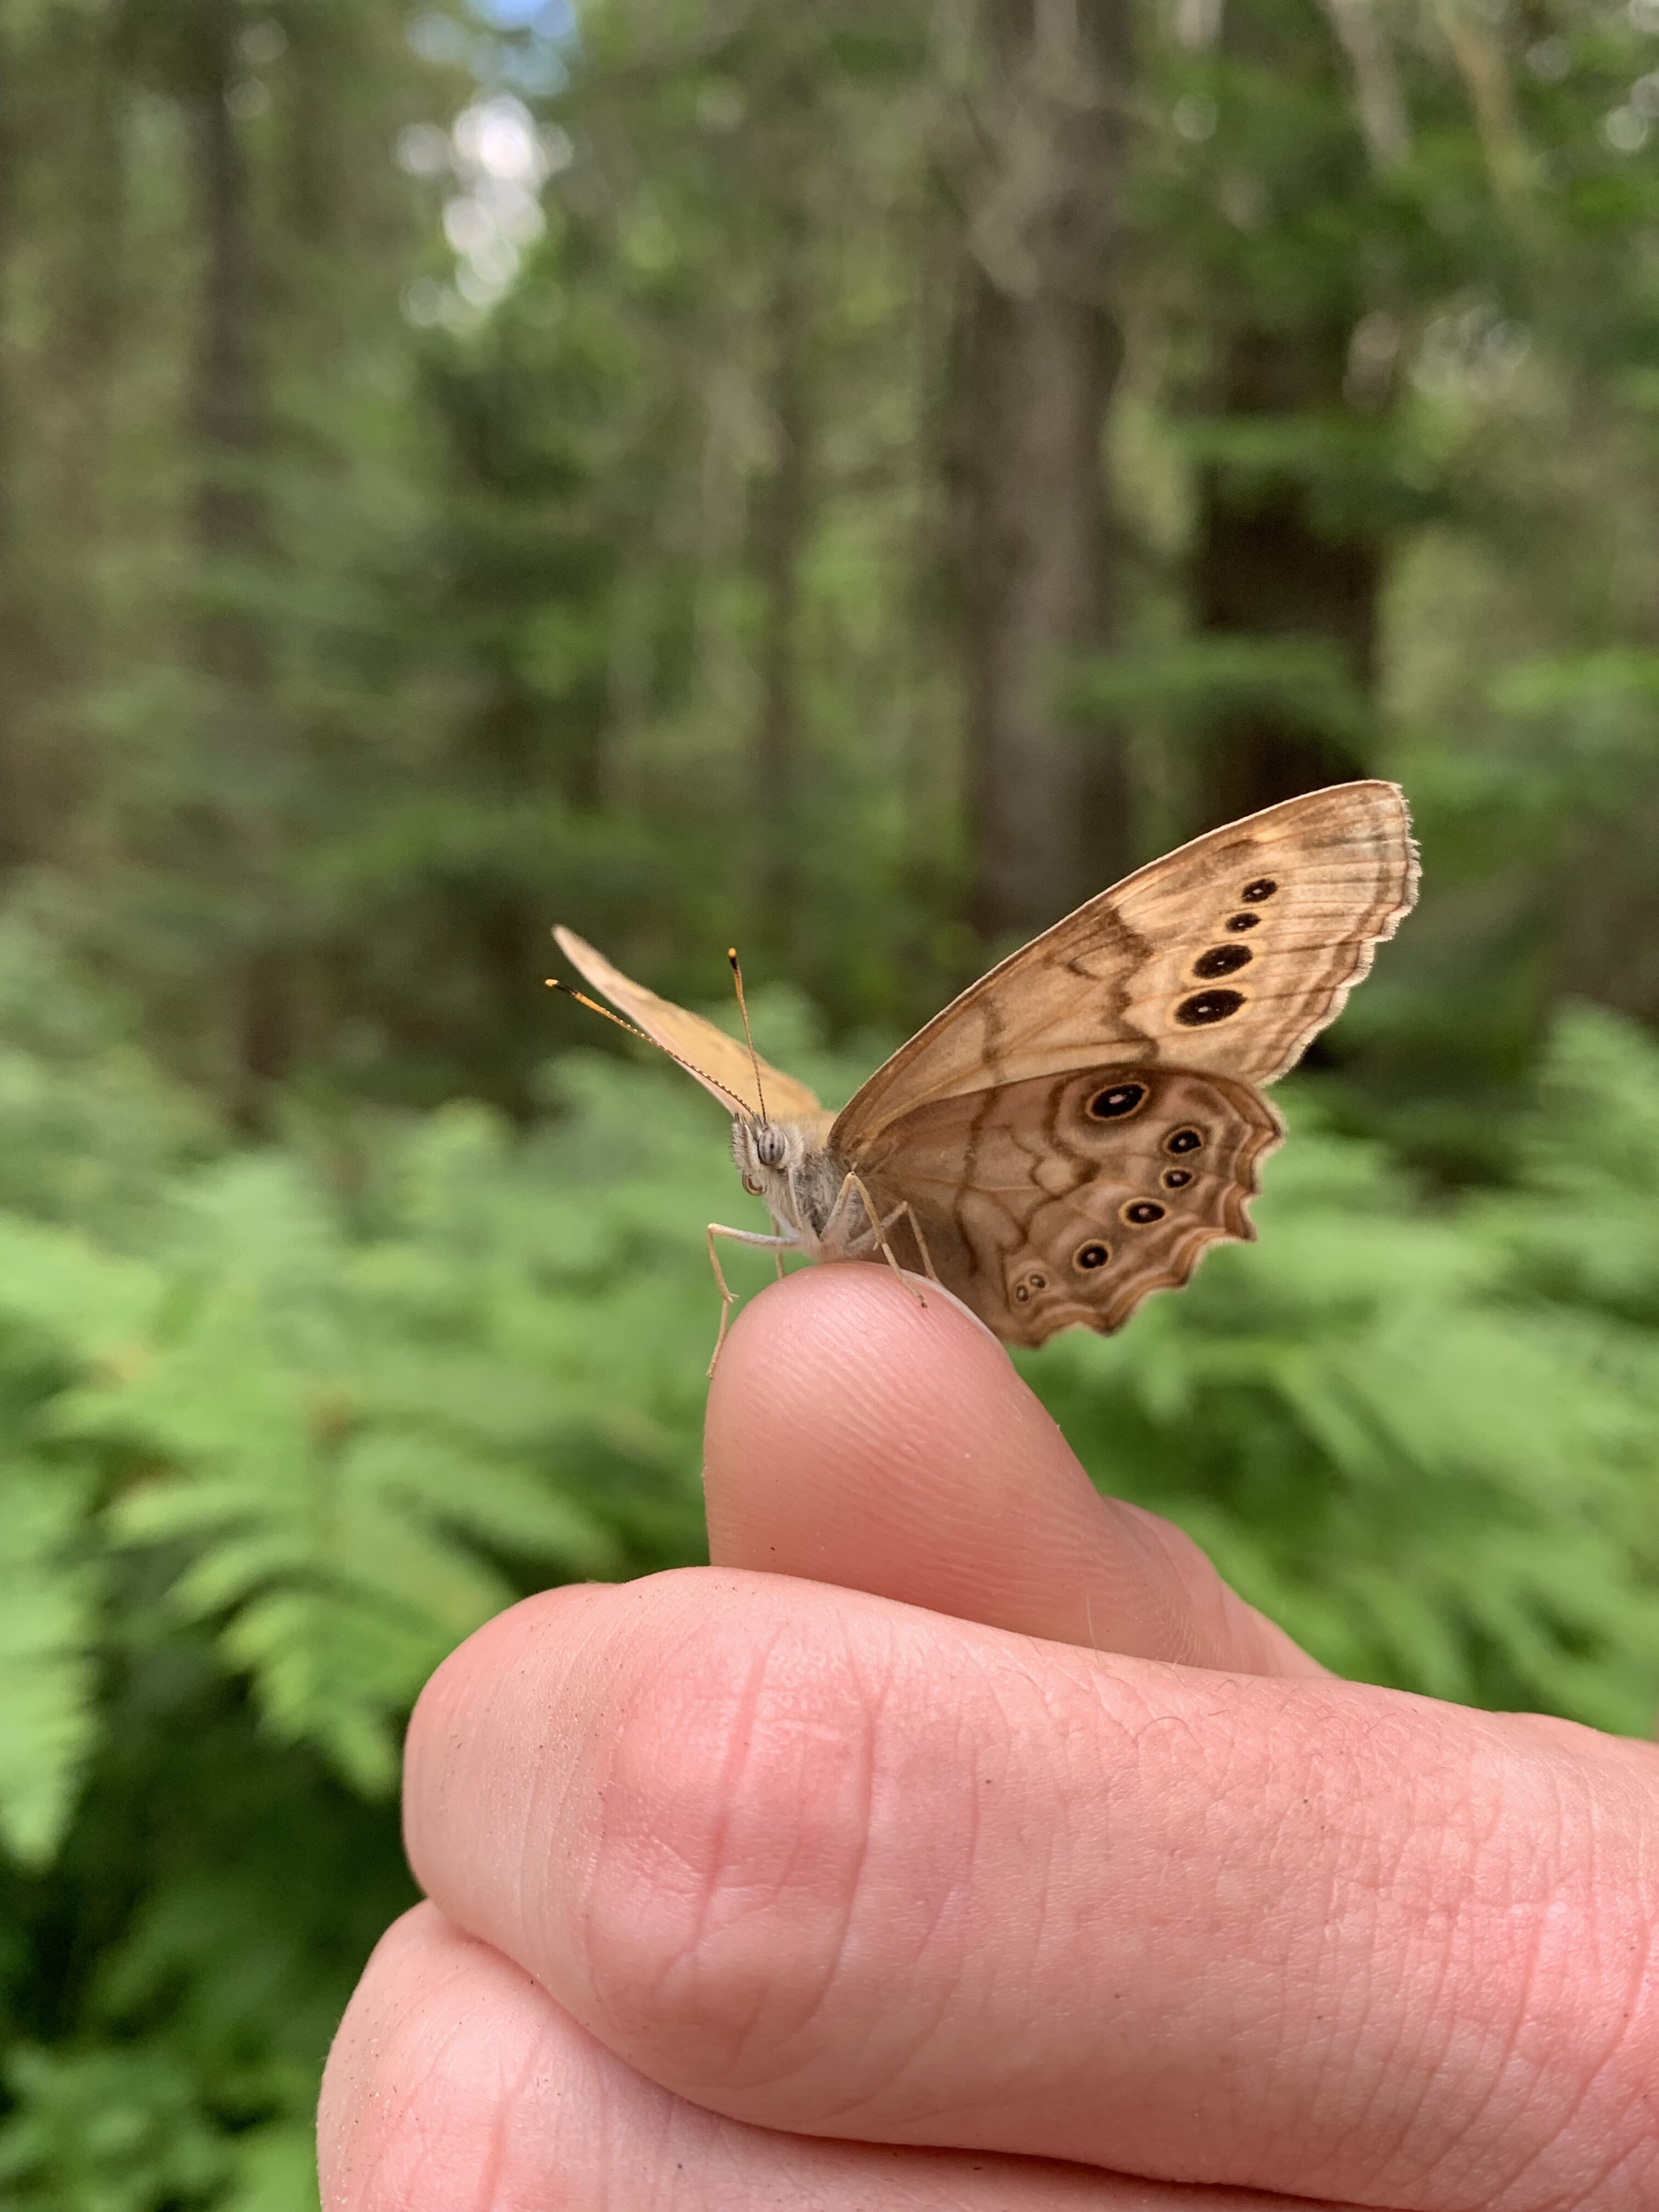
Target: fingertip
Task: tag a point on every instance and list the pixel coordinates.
(874, 1434)
(838, 1360)
(860, 1434)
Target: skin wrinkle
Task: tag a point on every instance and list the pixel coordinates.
(1545, 1965)
(549, 1799)
(738, 1735)
(836, 1964)
(1547, 1962)
(1361, 1870)
(1388, 2134)
(417, 2162)
(942, 2112)
(1623, 2025)
(489, 2192)
(1410, 2088)
(1531, 1962)
(1269, 1943)
(1407, 2086)
(688, 1958)
(899, 2068)
(692, 1955)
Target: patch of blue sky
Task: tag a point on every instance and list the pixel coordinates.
(548, 19)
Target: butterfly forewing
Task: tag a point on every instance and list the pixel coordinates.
(720, 1063)
(1229, 954)
(1064, 1199)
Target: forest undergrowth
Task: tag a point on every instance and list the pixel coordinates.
(288, 1421)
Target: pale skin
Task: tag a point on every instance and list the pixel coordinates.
(956, 1842)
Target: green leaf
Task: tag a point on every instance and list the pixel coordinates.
(50, 1592)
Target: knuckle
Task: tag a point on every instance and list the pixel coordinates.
(730, 1837)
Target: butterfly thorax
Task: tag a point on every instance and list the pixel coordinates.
(791, 1166)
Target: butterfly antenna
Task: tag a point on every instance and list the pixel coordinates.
(743, 1008)
(634, 1030)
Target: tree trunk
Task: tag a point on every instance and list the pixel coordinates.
(229, 526)
(226, 515)
(19, 634)
(1268, 567)
(782, 522)
(1037, 358)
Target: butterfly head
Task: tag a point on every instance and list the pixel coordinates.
(765, 1151)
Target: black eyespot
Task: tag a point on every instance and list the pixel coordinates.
(1262, 888)
(1140, 1211)
(1205, 1007)
(1090, 1256)
(1223, 960)
(1039, 1282)
(1183, 1140)
(1176, 1178)
(1111, 1105)
(1023, 1293)
(1236, 922)
(1022, 1290)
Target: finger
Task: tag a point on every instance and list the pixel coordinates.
(856, 1438)
(845, 1868)
(455, 2081)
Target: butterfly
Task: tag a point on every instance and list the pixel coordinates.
(1076, 1128)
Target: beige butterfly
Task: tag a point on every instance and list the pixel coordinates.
(1076, 1128)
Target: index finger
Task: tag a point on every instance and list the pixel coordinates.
(859, 1437)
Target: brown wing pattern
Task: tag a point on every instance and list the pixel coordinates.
(1054, 1201)
(1229, 954)
(718, 1062)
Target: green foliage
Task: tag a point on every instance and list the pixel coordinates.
(48, 1621)
(355, 1395)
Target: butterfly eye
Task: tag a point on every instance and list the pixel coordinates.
(754, 1186)
(769, 1146)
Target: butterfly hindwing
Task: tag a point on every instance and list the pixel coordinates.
(1069, 1198)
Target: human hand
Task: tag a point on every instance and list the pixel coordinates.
(877, 1892)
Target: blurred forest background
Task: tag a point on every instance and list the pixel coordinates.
(850, 477)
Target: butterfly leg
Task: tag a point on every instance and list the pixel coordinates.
(880, 1228)
(902, 1210)
(729, 1296)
